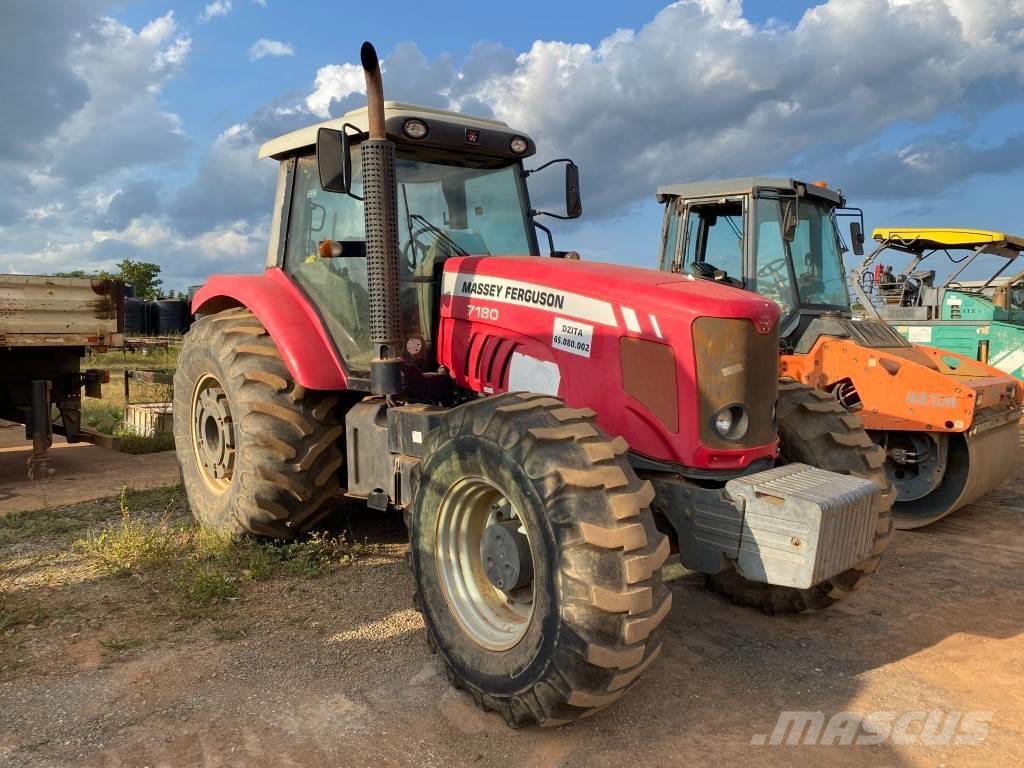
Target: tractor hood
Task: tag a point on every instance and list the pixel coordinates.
(656, 355)
(631, 298)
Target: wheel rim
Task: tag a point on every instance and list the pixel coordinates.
(494, 619)
(213, 434)
(915, 463)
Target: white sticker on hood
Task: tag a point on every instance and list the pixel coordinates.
(528, 374)
(570, 336)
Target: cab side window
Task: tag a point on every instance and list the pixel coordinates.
(716, 237)
(671, 236)
(337, 285)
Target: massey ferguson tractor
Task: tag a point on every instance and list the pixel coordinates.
(394, 348)
(947, 422)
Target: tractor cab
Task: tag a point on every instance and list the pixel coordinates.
(461, 191)
(777, 237)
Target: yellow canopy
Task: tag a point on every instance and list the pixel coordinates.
(946, 237)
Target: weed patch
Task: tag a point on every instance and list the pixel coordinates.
(134, 546)
(131, 441)
(203, 568)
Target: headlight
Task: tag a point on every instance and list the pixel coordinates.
(723, 422)
(518, 145)
(731, 422)
(415, 129)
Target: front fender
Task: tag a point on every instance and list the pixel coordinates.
(288, 316)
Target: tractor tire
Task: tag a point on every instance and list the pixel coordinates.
(258, 453)
(579, 634)
(816, 430)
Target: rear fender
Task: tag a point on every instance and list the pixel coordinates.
(288, 316)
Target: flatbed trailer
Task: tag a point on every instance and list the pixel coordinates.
(46, 326)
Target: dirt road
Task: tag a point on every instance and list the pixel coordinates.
(78, 472)
(334, 671)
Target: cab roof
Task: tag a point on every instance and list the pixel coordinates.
(744, 186)
(303, 138)
(926, 239)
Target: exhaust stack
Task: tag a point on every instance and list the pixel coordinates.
(381, 220)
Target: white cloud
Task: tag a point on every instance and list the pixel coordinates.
(123, 123)
(334, 82)
(214, 9)
(700, 91)
(264, 47)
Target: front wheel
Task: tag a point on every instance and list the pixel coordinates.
(816, 430)
(536, 559)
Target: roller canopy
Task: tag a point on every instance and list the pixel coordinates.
(947, 237)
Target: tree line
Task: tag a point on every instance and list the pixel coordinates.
(142, 276)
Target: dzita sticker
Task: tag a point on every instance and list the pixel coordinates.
(570, 336)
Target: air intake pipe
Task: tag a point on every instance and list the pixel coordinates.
(381, 219)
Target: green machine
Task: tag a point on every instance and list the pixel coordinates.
(982, 319)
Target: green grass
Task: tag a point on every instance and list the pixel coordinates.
(205, 584)
(101, 415)
(58, 522)
(203, 568)
(130, 441)
(106, 414)
(162, 359)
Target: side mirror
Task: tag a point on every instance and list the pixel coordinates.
(573, 201)
(789, 221)
(857, 238)
(334, 160)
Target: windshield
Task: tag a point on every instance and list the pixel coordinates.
(470, 211)
(443, 210)
(816, 265)
(467, 211)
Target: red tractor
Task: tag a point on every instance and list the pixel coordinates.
(386, 351)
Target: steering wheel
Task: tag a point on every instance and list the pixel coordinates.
(778, 273)
(414, 251)
(772, 269)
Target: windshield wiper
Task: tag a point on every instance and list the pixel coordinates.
(422, 220)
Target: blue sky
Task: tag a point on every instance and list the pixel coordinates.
(134, 133)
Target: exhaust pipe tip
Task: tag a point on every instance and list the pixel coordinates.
(368, 57)
(374, 90)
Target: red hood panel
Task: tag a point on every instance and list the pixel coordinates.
(640, 289)
(557, 327)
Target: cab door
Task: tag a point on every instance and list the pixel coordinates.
(707, 238)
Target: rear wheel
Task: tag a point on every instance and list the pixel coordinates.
(258, 452)
(816, 430)
(536, 559)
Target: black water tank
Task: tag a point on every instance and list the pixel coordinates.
(171, 317)
(136, 317)
(192, 291)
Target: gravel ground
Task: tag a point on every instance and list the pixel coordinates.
(335, 670)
